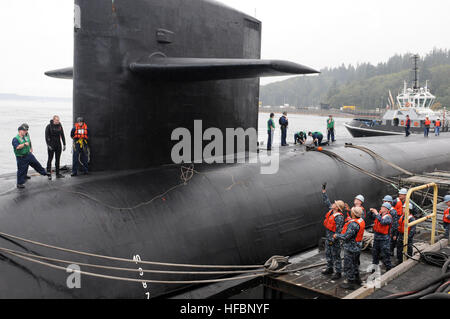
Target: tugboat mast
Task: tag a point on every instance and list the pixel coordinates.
(416, 71)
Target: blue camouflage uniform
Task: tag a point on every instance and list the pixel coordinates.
(412, 232)
(351, 251)
(447, 230)
(394, 229)
(332, 246)
(381, 242)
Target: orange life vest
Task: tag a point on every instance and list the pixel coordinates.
(401, 224)
(399, 207)
(427, 122)
(362, 227)
(81, 131)
(381, 229)
(438, 123)
(447, 216)
(330, 222)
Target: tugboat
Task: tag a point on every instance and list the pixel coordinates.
(417, 102)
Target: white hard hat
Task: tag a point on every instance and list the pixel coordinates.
(360, 197)
(403, 191)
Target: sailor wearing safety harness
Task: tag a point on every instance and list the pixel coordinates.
(446, 218)
(352, 234)
(382, 228)
(80, 138)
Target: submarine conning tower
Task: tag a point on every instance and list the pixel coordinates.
(146, 67)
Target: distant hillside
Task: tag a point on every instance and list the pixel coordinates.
(16, 97)
(365, 85)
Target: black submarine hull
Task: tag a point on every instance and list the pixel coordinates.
(224, 214)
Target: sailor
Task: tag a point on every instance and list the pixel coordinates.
(408, 126)
(401, 231)
(382, 229)
(398, 206)
(317, 138)
(270, 131)
(388, 199)
(334, 221)
(427, 126)
(437, 129)
(300, 138)
(80, 138)
(352, 235)
(54, 134)
(284, 123)
(357, 202)
(25, 158)
(27, 127)
(446, 217)
(330, 129)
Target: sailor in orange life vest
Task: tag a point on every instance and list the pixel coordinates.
(80, 137)
(427, 126)
(382, 228)
(352, 235)
(333, 222)
(446, 218)
(398, 206)
(401, 231)
(358, 202)
(437, 127)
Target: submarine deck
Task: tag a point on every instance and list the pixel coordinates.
(7, 180)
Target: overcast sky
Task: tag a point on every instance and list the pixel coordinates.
(38, 35)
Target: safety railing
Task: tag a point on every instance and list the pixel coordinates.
(433, 216)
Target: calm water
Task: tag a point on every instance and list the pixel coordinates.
(38, 114)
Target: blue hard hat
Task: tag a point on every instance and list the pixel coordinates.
(388, 206)
(388, 198)
(447, 198)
